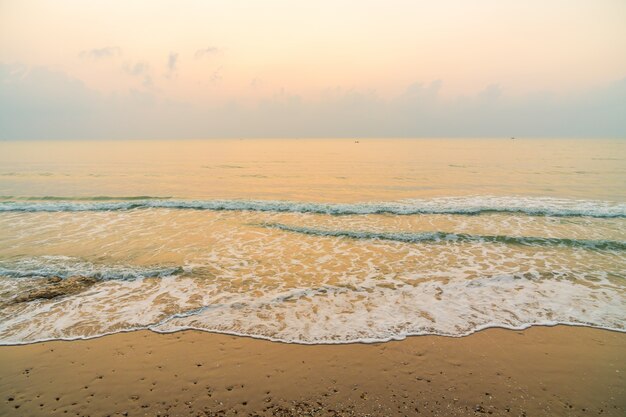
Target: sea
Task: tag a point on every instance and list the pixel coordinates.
(311, 241)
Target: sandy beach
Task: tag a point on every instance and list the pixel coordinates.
(555, 371)
(322, 209)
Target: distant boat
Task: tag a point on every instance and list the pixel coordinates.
(356, 141)
(512, 137)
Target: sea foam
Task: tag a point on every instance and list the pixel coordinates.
(471, 205)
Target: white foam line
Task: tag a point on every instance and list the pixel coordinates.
(398, 337)
(473, 205)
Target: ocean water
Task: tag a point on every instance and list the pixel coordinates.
(312, 241)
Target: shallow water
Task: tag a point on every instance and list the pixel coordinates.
(313, 241)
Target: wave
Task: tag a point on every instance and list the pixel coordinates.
(474, 205)
(470, 307)
(93, 198)
(322, 342)
(65, 267)
(408, 237)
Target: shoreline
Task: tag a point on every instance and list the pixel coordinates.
(322, 343)
(542, 370)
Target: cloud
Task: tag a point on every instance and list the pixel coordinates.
(40, 103)
(172, 63)
(216, 75)
(41, 96)
(139, 69)
(97, 53)
(492, 92)
(211, 50)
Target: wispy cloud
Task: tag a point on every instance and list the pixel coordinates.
(211, 50)
(97, 53)
(172, 63)
(139, 69)
(216, 76)
(42, 103)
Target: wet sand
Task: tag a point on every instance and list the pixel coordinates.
(551, 371)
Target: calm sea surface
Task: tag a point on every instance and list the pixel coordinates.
(310, 241)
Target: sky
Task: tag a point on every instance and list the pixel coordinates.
(71, 69)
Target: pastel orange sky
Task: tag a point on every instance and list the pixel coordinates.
(204, 54)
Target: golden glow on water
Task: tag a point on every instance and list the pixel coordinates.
(316, 170)
(510, 233)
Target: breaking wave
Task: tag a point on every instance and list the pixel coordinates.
(65, 267)
(407, 237)
(473, 205)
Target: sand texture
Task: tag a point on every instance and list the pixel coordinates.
(542, 371)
